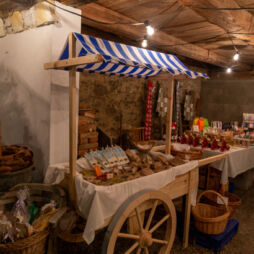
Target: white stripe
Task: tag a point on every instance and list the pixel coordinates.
(176, 63)
(153, 64)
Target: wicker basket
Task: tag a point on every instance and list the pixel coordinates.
(210, 219)
(192, 154)
(40, 194)
(233, 202)
(34, 244)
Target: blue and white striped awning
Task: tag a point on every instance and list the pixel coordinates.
(125, 60)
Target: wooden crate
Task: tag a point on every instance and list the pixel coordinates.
(209, 178)
(213, 179)
(88, 146)
(87, 128)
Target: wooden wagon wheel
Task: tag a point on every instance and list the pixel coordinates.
(144, 206)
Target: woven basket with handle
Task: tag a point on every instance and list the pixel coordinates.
(233, 202)
(210, 219)
(40, 194)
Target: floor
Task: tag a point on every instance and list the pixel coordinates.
(242, 243)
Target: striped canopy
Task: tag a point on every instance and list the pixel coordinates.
(125, 60)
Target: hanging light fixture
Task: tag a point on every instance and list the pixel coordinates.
(229, 70)
(144, 42)
(236, 56)
(149, 28)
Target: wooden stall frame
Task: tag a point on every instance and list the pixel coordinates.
(183, 185)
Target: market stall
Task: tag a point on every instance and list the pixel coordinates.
(83, 52)
(238, 161)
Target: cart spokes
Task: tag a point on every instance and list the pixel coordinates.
(144, 223)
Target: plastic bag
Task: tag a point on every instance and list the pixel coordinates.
(19, 209)
(7, 230)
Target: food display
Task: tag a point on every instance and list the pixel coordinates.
(206, 141)
(14, 158)
(24, 219)
(114, 165)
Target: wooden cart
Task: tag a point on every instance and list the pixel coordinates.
(128, 222)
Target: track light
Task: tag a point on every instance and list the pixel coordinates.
(236, 56)
(229, 70)
(149, 29)
(144, 42)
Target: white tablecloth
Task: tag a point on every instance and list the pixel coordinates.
(97, 203)
(238, 161)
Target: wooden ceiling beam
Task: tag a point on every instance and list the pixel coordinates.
(159, 39)
(77, 3)
(231, 21)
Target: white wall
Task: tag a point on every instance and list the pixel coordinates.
(33, 103)
(59, 117)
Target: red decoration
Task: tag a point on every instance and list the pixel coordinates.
(183, 140)
(190, 140)
(148, 119)
(196, 141)
(205, 143)
(214, 145)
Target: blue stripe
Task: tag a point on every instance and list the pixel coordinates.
(183, 66)
(102, 66)
(154, 59)
(121, 51)
(65, 54)
(141, 51)
(123, 69)
(130, 49)
(82, 52)
(160, 57)
(81, 39)
(108, 47)
(88, 66)
(172, 63)
(125, 57)
(133, 70)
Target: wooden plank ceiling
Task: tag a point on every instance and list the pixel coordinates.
(183, 27)
(187, 28)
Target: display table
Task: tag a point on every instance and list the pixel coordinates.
(98, 203)
(239, 160)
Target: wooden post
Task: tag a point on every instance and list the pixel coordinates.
(191, 187)
(0, 141)
(72, 119)
(169, 116)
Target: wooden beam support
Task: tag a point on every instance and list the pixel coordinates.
(72, 119)
(169, 115)
(70, 62)
(137, 32)
(211, 159)
(231, 21)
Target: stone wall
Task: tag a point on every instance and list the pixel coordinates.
(226, 100)
(111, 96)
(18, 21)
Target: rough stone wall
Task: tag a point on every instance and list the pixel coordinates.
(109, 96)
(227, 100)
(19, 21)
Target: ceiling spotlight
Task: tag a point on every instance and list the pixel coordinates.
(236, 56)
(229, 70)
(149, 29)
(144, 42)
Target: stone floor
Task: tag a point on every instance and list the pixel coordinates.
(242, 243)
